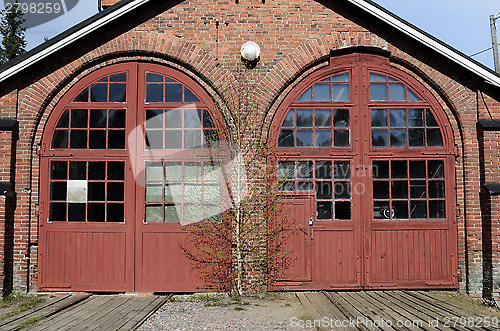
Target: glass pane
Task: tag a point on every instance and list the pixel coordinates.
(211, 192)
(381, 189)
(341, 78)
(96, 191)
(192, 139)
(379, 117)
(97, 139)
(173, 93)
(324, 210)
(399, 190)
(116, 170)
(173, 171)
(192, 118)
(117, 93)
(287, 186)
(76, 212)
(437, 209)
(58, 169)
(189, 96)
(400, 209)
(436, 169)
(306, 96)
(287, 138)
(418, 209)
(82, 97)
(289, 120)
(398, 169)
(78, 139)
(207, 120)
(60, 139)
(340, 92)
(430, 120)
(305, 186)
(154, 118)
(436, 189)
(342, 210)
(323, 138)
(398, 117)
(98, 118)
(323, 117)
(323, 169)
(381, 210)
(192, 192)
(99, 93)
(173, 192)
(192, 212)
(286, 170)
(58, 191)
(341, 118)
(398, 138)
(415, 117)
(380, 169)
(305, 169)
(154, 139)
(341, 138)
(397, 92)
(96, 212)
(304, 138)
(210, 139)
(116, 118)
(57, 212)
(377, 78)
(121, 77)
(97, 170)
(322, 92)
(304, 117)
(116, 139)
(411, 95)
(434, 137)
(79, 118)
(154, 78)
(115, 212)
(173, 139)
(416, 137)
(211, 171)
(380, 137)
(171, 214)
(64, 120)
(115, 191)
(323, 190)
(154, 213)
(417, 169)
(417, 189)
(378, 92)
(192, 171)
(341, 170)
(154, 93)
(154, 171)
(342, 190)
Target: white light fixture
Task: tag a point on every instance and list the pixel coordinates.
(250, 53)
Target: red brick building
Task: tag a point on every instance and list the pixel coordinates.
(383, 135)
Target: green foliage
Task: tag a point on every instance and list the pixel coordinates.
(12, 33)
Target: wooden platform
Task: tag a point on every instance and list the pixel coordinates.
(391, 310)
(104, 312)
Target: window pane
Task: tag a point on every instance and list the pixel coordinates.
(154, 78)
(341, 118)
(323, 117)
(323, 190)
(378, 92)
(192, 118)
(58, 191)
(57, 212)
(434, 137)
(416, 137)
(192, 192)
(323, 169)
(117, 118)
(121, 77)
(323, 138)
(415, 117)
(154, 171)
(304, 138)
(430, 120)
(341, 170)
(377, 78)
(341, 138)
(411, 95)
(305, 169)
(117, 93)
(171, 214)
(99, 92)
(398, 117)
(398, 138)
(97, 191)
(400, 209)
(381, 210)
(115, 191)
(436, 189)
(116, 139)
(83, 96)
(379, 117)
(398, 169)
(399, 190)
(173, 192)
(173, 171)
(173, 139)
(64, 120)
(97, 170)
(154, 139)
(287, 186)
(287, 138)
(322, 92)
(79, 118)
(396, 92)
(116, 170)
(417, 189)
(289, 120)
(341, 78)
(305, 186)
(192, 138)
(173, 93)
(286, 170)
(97, 139)
(189, 96)
(418, 209)
(98, 118)
(306, 96)
(77, 170)
(342, 190)
(115, 212)
(417, 169)
(304, 117)
(436, 169)
(96, 212)
(381, 189)
(342, 210)
(211, 192)
(154, 118)
(60, 139)
(58, 169)
(324, 210)
(78, 139)
(437, 209)
(76, 212)
(340, 92)
(154, 93)
(207, 120)
(380, 137)
(380, 169)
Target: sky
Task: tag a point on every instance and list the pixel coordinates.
(463, 24)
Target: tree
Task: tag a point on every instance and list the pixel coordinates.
(12, 32)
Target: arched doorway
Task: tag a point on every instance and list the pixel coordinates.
(123, 160)
(366, 153)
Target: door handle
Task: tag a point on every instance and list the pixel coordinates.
(311, 221)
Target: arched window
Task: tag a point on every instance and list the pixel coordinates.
(373, 149)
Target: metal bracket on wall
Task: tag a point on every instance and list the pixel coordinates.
(492, 188)
(4, 188)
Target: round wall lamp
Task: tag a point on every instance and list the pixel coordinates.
(250, 54)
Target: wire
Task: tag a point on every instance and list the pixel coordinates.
(484, 50)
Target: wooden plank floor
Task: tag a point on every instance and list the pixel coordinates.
(391, 310)
(104, 312)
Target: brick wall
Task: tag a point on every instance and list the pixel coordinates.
(296, 38)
